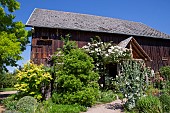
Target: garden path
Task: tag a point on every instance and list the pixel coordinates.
(3, 95)
(113, 107)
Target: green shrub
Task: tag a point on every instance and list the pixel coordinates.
(165, 100)
(152, 91)
(165, 91)
(76, 81)
(158, 81)
(26, 104)
(56, 98)
(8, 80)
(12, 111)
(50, 107)
(106, 96)
(10, 102)
(85, 97)
(120, 96)
(149, 104)
(165, 72)
(31, 79)
(65, 108)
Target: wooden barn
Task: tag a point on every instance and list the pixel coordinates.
(48, 26)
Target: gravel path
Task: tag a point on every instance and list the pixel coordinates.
(4, 95)
(113, 107)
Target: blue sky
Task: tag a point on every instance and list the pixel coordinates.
(154, 13)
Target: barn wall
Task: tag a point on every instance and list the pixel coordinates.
(46, 41)
(157, 49)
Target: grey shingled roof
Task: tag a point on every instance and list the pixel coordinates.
(125, 42)
(84, 22)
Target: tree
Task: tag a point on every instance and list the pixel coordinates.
(13, 36)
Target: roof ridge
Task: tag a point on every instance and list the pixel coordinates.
(30, 16)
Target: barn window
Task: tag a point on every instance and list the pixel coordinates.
(44, 37)
(44, 42)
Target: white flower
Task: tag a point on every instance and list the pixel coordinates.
(137, 78)
(94, 44)
(96, 49)
(109, 50)
(112, 47)
(116, 50)
(91, 51)
(106, 55)
(112, 52)
(85, 47)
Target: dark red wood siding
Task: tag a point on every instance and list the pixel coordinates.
(45, 42)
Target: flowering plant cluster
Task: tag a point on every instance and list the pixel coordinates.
(105, 53)
(133, 81)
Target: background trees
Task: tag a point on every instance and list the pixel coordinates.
(13, 36)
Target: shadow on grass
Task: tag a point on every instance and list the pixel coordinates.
(2, 96)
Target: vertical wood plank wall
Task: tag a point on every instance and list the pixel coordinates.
(45, 42)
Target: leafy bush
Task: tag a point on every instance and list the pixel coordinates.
(26, 104)
(152, 91)
(106, 96)
(31, 79)
(10, 102)
(50, 107)
(158, 81)
(76, 81)
(68, 45)
(120, 96)
(165, 72)
(12, 111)
(7, 80)
(165, 91)
(149, 104)
(132, 81)
(165, 100)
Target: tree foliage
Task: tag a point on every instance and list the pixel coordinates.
(7, 80)
(13, 36)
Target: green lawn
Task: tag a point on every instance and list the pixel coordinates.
(7, 89)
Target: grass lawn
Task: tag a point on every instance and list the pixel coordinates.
(7, 89)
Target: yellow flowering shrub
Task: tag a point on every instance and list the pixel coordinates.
(30, 80)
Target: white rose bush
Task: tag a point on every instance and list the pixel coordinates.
(105, 53)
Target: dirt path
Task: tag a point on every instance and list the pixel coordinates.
(113, 107)
(4, 95)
